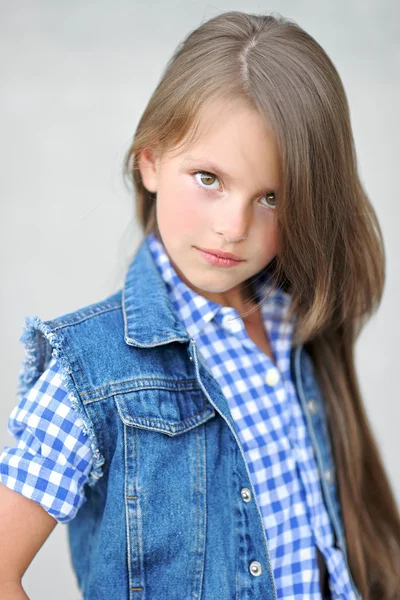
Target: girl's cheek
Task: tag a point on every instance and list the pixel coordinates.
(192, 208)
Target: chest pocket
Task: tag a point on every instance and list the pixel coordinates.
(166, 406)
(165, 487)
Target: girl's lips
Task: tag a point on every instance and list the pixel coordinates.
(221, 253)
(217, 260)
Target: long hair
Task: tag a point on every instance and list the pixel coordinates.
(331, 252)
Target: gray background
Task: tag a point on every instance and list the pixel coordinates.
(75, 78)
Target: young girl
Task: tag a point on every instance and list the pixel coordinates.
(201, 431)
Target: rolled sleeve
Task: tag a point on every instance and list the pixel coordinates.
(52, 459)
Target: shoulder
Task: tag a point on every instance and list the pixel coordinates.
(78, 334)
(112, 303)
(88, 322)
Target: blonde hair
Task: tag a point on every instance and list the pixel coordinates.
(331, 255)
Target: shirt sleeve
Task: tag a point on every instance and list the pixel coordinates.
(53, 458)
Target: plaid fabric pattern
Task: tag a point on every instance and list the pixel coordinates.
(53, 458)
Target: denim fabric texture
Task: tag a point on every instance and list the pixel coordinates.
(172, 507)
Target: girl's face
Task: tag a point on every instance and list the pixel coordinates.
(218, 195)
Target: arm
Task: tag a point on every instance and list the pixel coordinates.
(24, 527)
(12, 590)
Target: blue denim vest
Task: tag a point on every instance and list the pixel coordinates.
(171, 511)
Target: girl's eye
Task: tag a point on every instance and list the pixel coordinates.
(207, 179)
(273, 200)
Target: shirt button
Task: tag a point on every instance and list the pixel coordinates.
(246, 494)
(231, 323)
(328, 475)
(255, 568)
(312, 406)
(272, 376)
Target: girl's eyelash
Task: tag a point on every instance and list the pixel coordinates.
(209, 191)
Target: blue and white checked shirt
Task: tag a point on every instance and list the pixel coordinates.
(53, 458)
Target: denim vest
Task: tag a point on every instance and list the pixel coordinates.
(171, 510)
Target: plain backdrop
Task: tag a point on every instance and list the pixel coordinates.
(75, 78)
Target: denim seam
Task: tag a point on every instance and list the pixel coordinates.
(184, 385)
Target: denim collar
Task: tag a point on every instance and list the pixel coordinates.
(149, 316)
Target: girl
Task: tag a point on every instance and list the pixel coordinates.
(201, 431)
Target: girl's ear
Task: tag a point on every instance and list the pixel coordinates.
(148, 166)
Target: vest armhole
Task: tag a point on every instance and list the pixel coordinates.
(41, 343)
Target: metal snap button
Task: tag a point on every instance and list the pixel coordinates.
(246, 494)
(255, 568)
(312, 406)
(272, 376)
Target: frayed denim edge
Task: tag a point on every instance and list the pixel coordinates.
(30, 371)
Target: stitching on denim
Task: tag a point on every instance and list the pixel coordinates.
(112, 389)
(194, 420)
(85, 313)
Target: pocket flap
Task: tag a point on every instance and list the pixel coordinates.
(170, 409)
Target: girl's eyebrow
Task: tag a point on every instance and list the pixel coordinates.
(209, 166)
(206, 165)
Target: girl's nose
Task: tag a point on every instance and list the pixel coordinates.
(238, 239)
(234, 222)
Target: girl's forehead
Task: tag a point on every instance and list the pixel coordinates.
(212, 115)
(223, 128)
